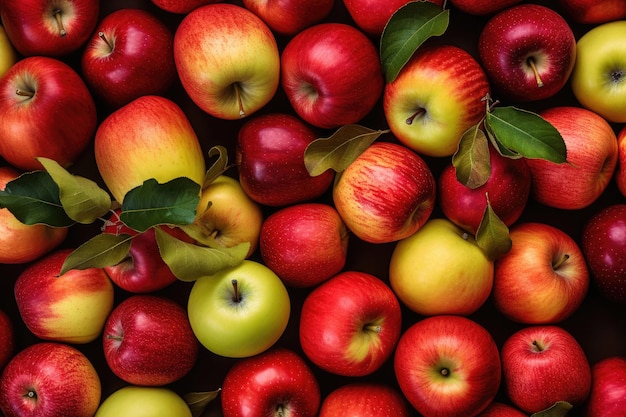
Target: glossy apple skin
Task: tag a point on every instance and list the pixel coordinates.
(227, 60)
(139, 61)
(134, 400)
(148, 341)
(498, 409)
(522, 32)
(349, 324)
(579, 183)
(440, 269)
(21, 243)
(607, 397)
(454, 344)
(62, 380)
(508, 189)
(7, 339)
(57, 122)
(620, 171)
(305, 244)
(181, 6)
(331, 74)
(150, 137)
(8, 55)
(604, 246)
(278, 379)
(386, 194)
(270, 159)
(288, 17)
(542, 365)
(593, 12)
(436, 97)
(481, 7)
(32, 28)
(364, 399)
(70, 308)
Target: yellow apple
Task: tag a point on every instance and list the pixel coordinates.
(139, 401)
(441, 270)
(8, 56)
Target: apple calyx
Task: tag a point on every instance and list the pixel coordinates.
(531, 62)
(31, 394)
(236, 294)
(57, 15)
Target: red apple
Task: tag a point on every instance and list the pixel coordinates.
(7, 339)
(130, 54)
(604, 246)
(276, 382)
(607, 397)
(49, 379)
(304, 244)
(181, 6)
(49, 27)
(593, 12)
(386, 194)
(364, 399)
(288, 17)
(448, 363)
(507, 188)
(528, 52)
(543, 278)
(46, 110)
(591, 163)
(331, 74)
(542, 365)
(270, 159)
(481, 7)
(147, 340)
(349, 324)
(69, 308)
(498, 409)
(620, 172)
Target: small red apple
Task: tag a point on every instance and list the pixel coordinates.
(365, 399)
(608, 388)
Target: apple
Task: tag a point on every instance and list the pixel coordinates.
(448, 363)
(481, 7)
(46, 110)
(598, 75)
(604, 247)
(7, 339)
(133, 401)
(130, 54)
(278, 382)
(528, 52)
(288, 17)
(544, 364)
(440, 269)
(507, 190)
(364, 399)
(593, 12)
(435, 98)
(620, 171)
(148, 138)
(239, 311)
(304, 244)
(226, 213)
(227, 60)
(590, 163)
(607, 397)
(371, 16)
(386, 194)
(270, 158)
(21, 243)
(543, 278)
(49, 27)
(181, 7)
(49, 379)
(147, 340)
(499, 409)
(8, 55)
(70, 308)
(331, 74)
(349, 324)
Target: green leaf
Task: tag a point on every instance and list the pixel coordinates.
(151, 204)
(338, 151)
(33, 198)
(102, 250)
(198, 401)
(525, 133)
(471, 160)
(219, 166)
(189, 261)
(492, 235)
(82, 199)
(558, 409)
(407, 29)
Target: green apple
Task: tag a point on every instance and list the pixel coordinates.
(440, 269)
(139, 401)
(8, 56)
(240, 311)
(599, 76)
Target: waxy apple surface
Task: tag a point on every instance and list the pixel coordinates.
(8, 55)
(181, 7)
(366, 399)
(7, 339)
(481, 7)
(607, 397)
(133, 401)
(620, 170)
(288, 17)
(593, 12)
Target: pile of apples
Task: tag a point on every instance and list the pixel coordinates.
(335, 262)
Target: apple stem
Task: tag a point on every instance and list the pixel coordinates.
(538, 347)
(376, 328)
(444, 371)
(531, 62)
(559, 262)
(236, 295)
(242, 112)
(114, 337)
(411, 119)
(57, 14)
(102, 36)
(24, 93)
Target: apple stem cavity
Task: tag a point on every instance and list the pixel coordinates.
(418, 113)
(236, 294)
(57, 14)
(102, 36)
(560, 261)
(531, 62)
